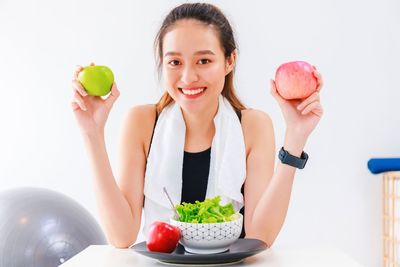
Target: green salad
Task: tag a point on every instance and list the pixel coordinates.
(208, 211)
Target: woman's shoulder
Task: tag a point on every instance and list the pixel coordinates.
(144, 109)
(140, 119)
(142, 114)
(256, 125)
(253, 117)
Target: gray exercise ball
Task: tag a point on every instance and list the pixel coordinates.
(43, 228)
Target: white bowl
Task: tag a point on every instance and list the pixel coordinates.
(209, 238)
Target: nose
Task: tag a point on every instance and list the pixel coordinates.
(189, 75)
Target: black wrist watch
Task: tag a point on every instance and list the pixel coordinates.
(291, 160)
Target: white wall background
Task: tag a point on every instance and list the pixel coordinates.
(355, 44)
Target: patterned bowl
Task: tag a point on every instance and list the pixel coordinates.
(209, 238)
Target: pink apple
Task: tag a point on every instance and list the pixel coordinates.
(295, 80)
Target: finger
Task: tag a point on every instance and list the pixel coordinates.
(78, 69)
(314, 107)
(77, 86)
(275, 93)
(79, 100)
(115, 93)
(320, 84)
(74, 105)
(319, 80)
(308, 100)
(318, 111)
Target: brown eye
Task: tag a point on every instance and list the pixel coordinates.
(174, 62)
(204, 61)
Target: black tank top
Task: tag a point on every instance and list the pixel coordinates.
(196, 166)
(195, 172)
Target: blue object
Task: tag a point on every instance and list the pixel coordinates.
(378, 165)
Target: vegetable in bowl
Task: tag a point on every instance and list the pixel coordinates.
(207, 211)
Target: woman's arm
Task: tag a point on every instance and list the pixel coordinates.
(120, 206)
(267, 193)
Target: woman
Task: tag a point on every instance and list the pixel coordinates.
(196, 54)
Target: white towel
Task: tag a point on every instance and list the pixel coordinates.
(164, 166)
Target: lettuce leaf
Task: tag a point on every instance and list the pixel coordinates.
(208, 211)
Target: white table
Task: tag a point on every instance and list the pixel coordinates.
(108, 256)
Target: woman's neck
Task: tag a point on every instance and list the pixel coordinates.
(201, 123)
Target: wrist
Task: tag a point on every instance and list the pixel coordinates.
(294, 143)
(93, 136)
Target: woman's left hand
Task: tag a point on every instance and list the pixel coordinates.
(301, 116)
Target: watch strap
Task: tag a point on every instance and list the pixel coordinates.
(293, 161)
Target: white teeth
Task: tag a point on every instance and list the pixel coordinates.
(193, 92)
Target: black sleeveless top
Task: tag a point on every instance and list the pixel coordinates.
(196, 166)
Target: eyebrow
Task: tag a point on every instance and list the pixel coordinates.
(201, 52)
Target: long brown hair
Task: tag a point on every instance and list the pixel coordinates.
(209, 15)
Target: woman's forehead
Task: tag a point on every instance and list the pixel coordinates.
(189, 36)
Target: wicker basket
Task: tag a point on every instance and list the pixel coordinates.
(391, 217)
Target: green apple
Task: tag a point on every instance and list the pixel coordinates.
(97, 80)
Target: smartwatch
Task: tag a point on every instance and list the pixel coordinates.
(291, 160)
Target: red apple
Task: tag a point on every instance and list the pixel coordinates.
(295, 80)
(163, 237)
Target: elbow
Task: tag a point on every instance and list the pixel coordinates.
(266, 234)
(122, 243)
(267, 239)
(269, 242)
(122, 239)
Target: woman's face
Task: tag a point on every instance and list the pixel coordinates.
(194, 65)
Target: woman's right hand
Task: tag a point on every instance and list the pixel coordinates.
(91, 112)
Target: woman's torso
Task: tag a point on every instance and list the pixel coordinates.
(195, 170)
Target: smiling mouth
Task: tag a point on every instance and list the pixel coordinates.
(193, 92)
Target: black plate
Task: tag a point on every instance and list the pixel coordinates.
(239, 250)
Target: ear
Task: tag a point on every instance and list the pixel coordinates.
(230, 62)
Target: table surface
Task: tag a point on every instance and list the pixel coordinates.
(109, 256)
